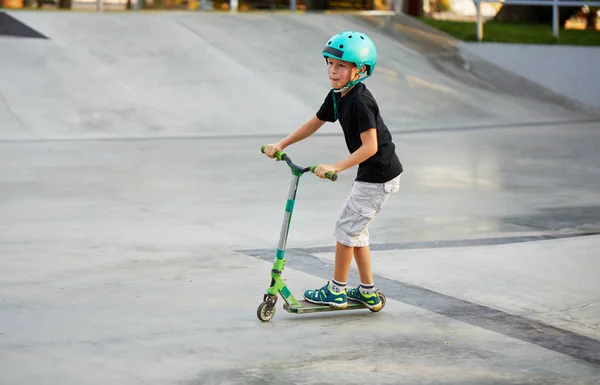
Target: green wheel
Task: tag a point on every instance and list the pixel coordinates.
(382, 297)
(266, 311)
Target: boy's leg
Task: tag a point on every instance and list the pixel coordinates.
(376, 198)
(334, 292)
(362, 256)
(343, 259)
(365, 292)
(351, 232)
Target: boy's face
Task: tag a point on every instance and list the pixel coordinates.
(340, 72)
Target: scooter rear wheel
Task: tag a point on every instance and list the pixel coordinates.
(383, 300)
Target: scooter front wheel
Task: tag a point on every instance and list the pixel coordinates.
(266, 310)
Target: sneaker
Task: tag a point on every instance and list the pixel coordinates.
(372, 301)
(324, 296)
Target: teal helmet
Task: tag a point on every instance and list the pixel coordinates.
(354, 47)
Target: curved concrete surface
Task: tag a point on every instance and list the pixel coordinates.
(138, 218)
(567, 70)
(155, 75)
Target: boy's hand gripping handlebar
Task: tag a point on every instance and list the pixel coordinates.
(283, 156)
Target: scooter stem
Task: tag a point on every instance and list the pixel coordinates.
(277, 283)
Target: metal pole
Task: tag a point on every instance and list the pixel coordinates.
(234, 5)
(98, 5)
(555, 15)
(479, 25)
(138, 5)
(292, 5)
(398, 4)
(206, 5)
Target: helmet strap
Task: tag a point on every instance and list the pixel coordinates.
(352, 83)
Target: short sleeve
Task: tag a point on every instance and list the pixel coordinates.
(364, 115)
(327, 113)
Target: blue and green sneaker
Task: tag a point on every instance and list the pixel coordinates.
(325, 296)
(372, 301)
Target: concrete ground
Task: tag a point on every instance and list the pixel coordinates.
(139, 218)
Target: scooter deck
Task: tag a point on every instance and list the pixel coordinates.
(307, 307)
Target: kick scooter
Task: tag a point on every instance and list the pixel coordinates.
(266, 310)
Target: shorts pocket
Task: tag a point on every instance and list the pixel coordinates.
(354, 217)
(392, 186)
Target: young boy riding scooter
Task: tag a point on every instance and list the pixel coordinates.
(351, 57)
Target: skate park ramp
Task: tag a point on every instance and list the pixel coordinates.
(139, 221)
(184, 74)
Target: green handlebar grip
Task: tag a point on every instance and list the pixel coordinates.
(278, 154)
(330, 175)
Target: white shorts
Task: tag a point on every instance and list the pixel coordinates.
(362, 205)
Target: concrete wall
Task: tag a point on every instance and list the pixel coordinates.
(568, 70)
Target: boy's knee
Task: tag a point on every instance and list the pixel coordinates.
(360, 240)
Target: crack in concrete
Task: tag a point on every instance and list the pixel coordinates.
(9, 108)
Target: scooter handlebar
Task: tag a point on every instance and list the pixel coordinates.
(330, 175)
(280, 156)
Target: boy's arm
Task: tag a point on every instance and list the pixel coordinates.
(367, 150)
(304, 131)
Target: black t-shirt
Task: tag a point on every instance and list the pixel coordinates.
(357, 112)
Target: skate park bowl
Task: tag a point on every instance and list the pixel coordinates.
(139, 219)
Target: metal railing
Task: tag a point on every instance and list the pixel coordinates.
(235, 5)
(396, 6)
(555, 4)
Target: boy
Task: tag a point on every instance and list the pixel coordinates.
(351, 57)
